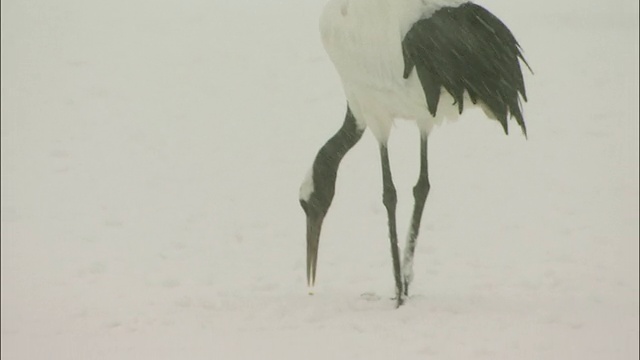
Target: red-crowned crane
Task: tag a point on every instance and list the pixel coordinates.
(421, 60)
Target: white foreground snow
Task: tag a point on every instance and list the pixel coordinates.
(151, 159)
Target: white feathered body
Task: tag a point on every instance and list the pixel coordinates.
(364, 41)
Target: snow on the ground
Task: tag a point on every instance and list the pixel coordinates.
(151, 158)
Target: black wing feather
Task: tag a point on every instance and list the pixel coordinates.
(466, 48)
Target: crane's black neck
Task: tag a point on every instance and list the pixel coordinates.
(325, 166)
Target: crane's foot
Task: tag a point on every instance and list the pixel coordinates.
(407, 275)
(399, 298)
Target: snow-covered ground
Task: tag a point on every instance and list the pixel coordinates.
(151, 158)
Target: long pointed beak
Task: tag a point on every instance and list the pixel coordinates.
(314, 225)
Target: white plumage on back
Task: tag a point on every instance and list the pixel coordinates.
(364, 41)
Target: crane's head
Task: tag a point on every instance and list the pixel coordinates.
(318, 188)
(316, 194)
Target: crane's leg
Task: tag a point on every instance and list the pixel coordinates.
(390, 200)
(420, 192)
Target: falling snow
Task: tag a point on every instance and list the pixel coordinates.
(151, 162)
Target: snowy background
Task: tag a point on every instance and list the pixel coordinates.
(152, 153)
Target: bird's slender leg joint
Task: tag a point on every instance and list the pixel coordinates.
(420, 193)
(389, 199)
